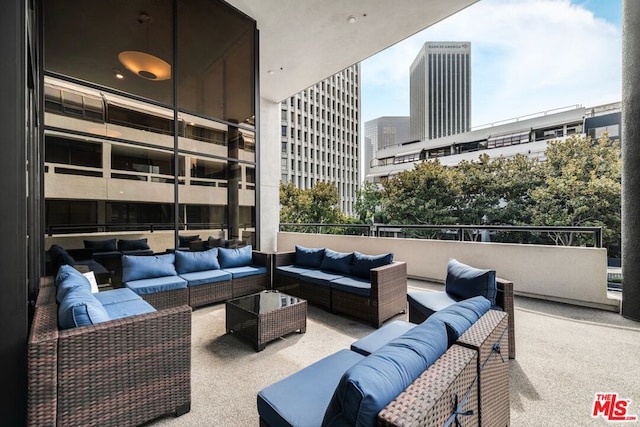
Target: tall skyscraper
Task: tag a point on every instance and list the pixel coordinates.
(440, 90)
(381, 133)
(320, 136)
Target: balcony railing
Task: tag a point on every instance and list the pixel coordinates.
(502, 233)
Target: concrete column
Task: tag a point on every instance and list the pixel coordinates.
(631, 159)
(268, 175)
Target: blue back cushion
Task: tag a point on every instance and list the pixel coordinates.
(379, 378)
(240, 257)
(309, 257)
(460, 316)
(79, 307)
(132, 245)
(464, 281)
(183, 241)
(187, 261)
(339, 262)
(59, 256)
(363, 263)
(108, 245)
(136, 267)
(68, 278)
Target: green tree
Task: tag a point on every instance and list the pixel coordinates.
(319, 204)
(425, 195)
(368, 205)
(582, 187)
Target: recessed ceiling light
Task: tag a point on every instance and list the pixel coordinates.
(118, 74)
(351, 19)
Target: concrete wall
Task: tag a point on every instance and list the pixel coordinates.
(574, 275)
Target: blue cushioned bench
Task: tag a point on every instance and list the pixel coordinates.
(403, 374)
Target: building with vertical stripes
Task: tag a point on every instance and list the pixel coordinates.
(440, 90)
(320, 129)
(383, 132)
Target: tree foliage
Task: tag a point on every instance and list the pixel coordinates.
(579, 184)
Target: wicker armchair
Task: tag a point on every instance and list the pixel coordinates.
(122, 372)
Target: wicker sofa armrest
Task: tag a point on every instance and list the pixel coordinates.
(504, 298)
(283, 258)
(142, 363)
(389, 280)
(430, 399)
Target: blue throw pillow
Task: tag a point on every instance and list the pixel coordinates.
(79, 307)
(231, 258)
(309, 257)
(339, 262)
(136, 267)
(132, 245)
(67, 279)
(188, 262)
(59, 256)
(367, 387)
(464, 281)
(108, 245)
(185, 240)
(362, 264)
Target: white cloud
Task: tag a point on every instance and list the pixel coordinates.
(527, 56)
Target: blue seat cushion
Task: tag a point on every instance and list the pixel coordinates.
(376, 380)
(293, 270)
(239, 257)
(354, 285)
(300, 400)
(79, 307)
(318, 277)
(203, 277)
(309, 257)
(249, 270)
(188, 262)
(129, 308)
(337, 262)
(460, 316)
(156, 284)
(116, 296)
(380, 337)
(147, 267)
(362, 264)
(68, 278)
(428, 302)
(464, 281)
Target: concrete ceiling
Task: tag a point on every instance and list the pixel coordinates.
(305, 41)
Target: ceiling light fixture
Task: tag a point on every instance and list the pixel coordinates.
(143, 64)
(118, 74)
(351, 19)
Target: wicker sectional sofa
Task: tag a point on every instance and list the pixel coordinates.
(371, 288)
(446, 370)
(123, 368)
(196, 278)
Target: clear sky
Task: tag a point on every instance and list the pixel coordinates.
(527, 56)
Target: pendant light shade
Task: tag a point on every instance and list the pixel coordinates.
(145, 65)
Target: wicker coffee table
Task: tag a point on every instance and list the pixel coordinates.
(265, 316)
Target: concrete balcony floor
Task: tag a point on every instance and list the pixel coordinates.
(564, 356)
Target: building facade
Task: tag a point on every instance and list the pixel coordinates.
(381, 133)
(440, 90)
(320, 134)
(526, 135)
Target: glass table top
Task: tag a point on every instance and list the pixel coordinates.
(265, 301)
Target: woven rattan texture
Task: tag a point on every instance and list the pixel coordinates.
(167, 299)
(431, 399)
(209, 293)
(493, 366)
(505, 300)
(123, 372)
(259, 329)
(249, 285)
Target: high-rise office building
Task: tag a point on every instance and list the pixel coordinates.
(320, 136)
(383, 132)
(440, 90)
